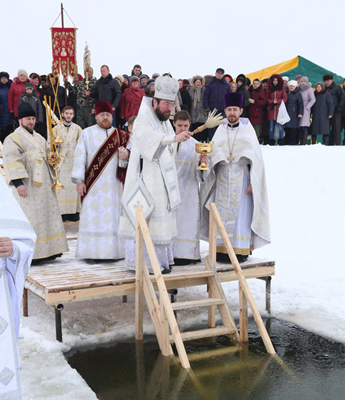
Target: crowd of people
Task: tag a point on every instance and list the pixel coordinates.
(311, 112)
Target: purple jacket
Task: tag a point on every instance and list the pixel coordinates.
(214, 93)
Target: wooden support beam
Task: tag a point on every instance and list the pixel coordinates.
(139, 283)
(243, 315)
(204, 333)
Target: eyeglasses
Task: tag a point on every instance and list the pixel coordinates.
(167, 104)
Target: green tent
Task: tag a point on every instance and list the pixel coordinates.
(296, 66)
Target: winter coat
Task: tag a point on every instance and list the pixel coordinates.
(255, 111)
(4, 113)
(34, 102)
(130, 102)
(279, 94)
(321, 111)
(294, 107)
(107, 89)
(186, 100)
(214, 93)
(197, 110)
(16, 90)
(308, 97)
(246, 98)
(338, 97)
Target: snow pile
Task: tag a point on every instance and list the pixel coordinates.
(307, 227)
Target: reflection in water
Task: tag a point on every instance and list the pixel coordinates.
(309, 367)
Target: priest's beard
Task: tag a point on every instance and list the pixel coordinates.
(104, 124)
(233, 119)
(162, 116)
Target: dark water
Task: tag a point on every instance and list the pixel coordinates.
(309, 367)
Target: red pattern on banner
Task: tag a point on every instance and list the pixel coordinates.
(64, 51)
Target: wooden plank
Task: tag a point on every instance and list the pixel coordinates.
(204, 333)
(243, 315)
(265, 337)
(196, 303)
(163, 291)
(139, 283)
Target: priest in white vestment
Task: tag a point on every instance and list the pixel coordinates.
(237, 184)
(100, 150)
(68, 132)
(32, 178)
(152, 160)
(186, 245)
(17, 245)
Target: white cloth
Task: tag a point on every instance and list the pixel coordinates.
(245, 217)
(13, 271)
(100, 211)
(187, 243)
(68, 198)
(154, 142)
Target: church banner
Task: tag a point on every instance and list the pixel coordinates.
(64, 51)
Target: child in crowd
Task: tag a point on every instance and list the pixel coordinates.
(29, 96)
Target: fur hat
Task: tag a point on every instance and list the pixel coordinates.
(120, 78)
(103, 106)
(304, 79)
(4, 74)
(241, 77)
(293, 83)
(285, 78)
(22, 72)
(233, 100)
(166, 88)
(144, 76)
(327, 77)
(25, 110)
(134, 77)
(155, 75)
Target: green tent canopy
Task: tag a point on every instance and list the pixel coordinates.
(296, 66)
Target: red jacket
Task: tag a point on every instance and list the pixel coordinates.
(279, 94)
(130, 102)
(16, 90)
(256, 109)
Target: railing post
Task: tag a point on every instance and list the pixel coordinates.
(139, 279)
(213, 256)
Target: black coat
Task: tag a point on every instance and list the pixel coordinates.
(294, 107)
(186, 99)
(107, 89)
(60, 98)
(321, 110)
(246, 96)
(338, 97)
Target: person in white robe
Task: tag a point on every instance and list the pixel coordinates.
(186, 245)
(68, 132)
(237, 184)
(100, 211)
(152, 161)
(29, 173)
(17, 244)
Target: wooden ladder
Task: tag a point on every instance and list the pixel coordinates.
(162, 311)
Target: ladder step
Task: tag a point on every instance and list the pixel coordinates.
(196, 303)
(187, 275)
(211, 332)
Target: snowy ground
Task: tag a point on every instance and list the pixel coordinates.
(308, 230)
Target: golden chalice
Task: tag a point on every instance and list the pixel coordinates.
(203, 149)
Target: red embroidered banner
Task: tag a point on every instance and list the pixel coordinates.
(64, 51)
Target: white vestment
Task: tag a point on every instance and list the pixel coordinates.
(154, 143)
(100, 211)
(25, 158)
(187, 243)
(13, 271)
(68, 198)
(245, 216)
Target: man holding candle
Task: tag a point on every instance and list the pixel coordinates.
(28, 171)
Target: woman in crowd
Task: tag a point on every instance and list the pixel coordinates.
(275, 96)
(197, 110)
(5, 84)
(308, 97)
(295, 109)
(322, 112)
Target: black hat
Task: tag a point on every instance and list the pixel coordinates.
(4, 74)
(221, 70)
(327, 77)
(25, 110)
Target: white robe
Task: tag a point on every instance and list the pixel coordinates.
(13, 271)
(154, 141)
(68, 198)
(187, 243)
(245, 216)
(100, 211)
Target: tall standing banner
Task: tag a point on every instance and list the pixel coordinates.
(64, 51)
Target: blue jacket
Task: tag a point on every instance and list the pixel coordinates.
(214, 93)
(4, 114)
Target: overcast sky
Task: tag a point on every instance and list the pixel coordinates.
(183, 37)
